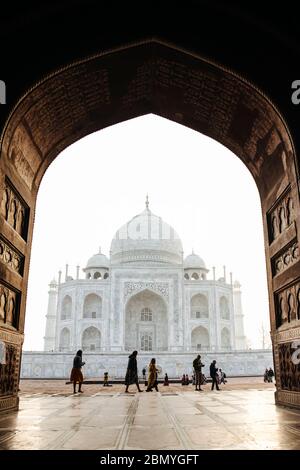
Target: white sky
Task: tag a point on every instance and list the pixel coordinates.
(194, 183)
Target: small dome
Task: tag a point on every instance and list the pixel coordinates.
(194, 261)
(98, 261)
(237, 285)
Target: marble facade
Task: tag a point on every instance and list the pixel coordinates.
(149, 298)
(57, 365)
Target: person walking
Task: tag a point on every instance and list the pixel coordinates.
(105, 380)
(132, 372)
(152, 377)
(214, 375)
(197, 365)
(76, 374)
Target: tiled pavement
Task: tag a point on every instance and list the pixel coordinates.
(235, 419)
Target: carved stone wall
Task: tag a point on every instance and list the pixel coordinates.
(7, 371)
(288, 256)
(9, 306)
(289, 367)
(12, 258)
(14, 210)
(281, 216)
(287, 304)
(10, 369)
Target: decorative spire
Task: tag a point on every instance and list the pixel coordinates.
(99, 250)
(147, 202)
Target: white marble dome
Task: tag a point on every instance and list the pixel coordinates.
(146, 238)
(193, 261)
(98, 261)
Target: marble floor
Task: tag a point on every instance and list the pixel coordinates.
(229, 419)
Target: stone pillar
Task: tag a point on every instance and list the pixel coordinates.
(49, 338)
(240, 338)
(66, 274)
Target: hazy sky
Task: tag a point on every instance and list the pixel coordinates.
(195, 184)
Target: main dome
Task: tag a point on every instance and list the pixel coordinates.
(146, 238)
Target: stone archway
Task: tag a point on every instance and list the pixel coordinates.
(146, 322)
(92, 306)
(64, 340)
(200, 339)
(91, 339)
(149, 77)
(225, 339)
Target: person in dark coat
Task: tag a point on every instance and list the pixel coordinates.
(76, 374)
(132, 372)
(270, 375)
(197, 365)
(214, 375)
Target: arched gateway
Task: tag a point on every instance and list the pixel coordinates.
(150, 77)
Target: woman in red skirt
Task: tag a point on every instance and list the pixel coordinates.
(76, 374)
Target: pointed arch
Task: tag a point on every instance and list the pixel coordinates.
(91, 339)
(200, 339)
(224, 308)
(146, 322)
(66, 308)
(64, 340)
(92, 306)
(199, 306)
(225, 339)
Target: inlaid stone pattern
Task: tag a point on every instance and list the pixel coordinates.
(289, 368)
(11, 258)
(281, 216)
(14, 210)
(287, 304)
(8, 371)
(132, 287)
(286, 258)
(9, 306)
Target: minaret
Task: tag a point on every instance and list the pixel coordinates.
(49, 338)
(240, 338)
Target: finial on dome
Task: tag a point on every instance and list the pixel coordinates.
(193, 251)
(147, 202)
(100, 250)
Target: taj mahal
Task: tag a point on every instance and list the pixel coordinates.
(145, 296)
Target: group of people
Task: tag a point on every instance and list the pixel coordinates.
(185, 379)
(268, 375)
(132, 374)
(217, 375)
